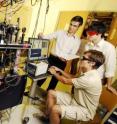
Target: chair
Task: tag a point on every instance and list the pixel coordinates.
(109, 101)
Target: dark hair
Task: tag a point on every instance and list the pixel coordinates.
(97, 57)
(97, 26)
(77, 19)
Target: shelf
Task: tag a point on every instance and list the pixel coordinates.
(15, 46)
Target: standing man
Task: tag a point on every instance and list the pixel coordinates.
(95, 37)
(82, 104)
(66, 43)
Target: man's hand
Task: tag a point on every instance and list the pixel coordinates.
(62, 59)
(110, 88)
(56, 68)
(52, 70)
(40, 35)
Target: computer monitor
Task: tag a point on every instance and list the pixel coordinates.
(39, 48)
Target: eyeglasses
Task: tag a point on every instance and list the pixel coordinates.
(84, 58)
(91, 33)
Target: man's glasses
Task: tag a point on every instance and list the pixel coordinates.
(84, 58)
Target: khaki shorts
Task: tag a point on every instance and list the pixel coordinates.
(69, 108)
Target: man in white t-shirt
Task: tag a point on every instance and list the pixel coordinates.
(67, 43)
(95, 39)
(82, 104)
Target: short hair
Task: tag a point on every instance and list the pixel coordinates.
(97, 57)
(97, 26)
(77, 19)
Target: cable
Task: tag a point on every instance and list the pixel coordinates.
(33, 98)
(33, 4)
(47, 9)
(7, 58)
(13, 80)
(15, 7)
(2, 89)
(5, 3)
(36, 24)
(10, 81)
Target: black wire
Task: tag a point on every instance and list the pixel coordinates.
(33, 4)
(4, 89)
(5, 61)
(7, 58)
(10, 81)
(36, 24)
(13, 11)
(13, 80)
(5, 3)
(47, 9)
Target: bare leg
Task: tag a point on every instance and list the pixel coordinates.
(55, 115)
(51, 101)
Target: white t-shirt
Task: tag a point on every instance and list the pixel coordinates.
(87, 90)
(109, 67)
(65, 44)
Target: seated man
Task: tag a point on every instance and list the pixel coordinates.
(82, 103)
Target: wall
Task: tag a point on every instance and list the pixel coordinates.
(23, 11)
(68, 5)
(28, 13)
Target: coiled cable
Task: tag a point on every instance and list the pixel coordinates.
(10, 81)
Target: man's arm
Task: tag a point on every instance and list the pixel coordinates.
(109, 87)
(110, 66)
(63, 77)
(67, 75)
(48, 36)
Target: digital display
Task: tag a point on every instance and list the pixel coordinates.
(39, 48)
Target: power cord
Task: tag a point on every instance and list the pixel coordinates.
(10, 81)
(33, 98)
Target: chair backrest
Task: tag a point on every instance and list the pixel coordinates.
(108, 99)
(111, 117)
(12, 95)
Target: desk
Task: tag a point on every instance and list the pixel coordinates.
(34, 84)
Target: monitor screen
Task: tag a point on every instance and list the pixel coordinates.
(39, 48)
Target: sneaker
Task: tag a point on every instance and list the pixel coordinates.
(25, 120)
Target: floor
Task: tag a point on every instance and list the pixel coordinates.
(23, 113)
(17, 114)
